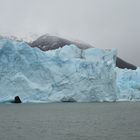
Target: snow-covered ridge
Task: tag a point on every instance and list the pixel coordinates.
(24, 38)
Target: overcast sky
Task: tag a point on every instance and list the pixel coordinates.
(102, 23)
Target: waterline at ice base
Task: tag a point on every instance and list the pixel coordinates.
(64, 75)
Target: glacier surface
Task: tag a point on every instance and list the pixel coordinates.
(67, 74)
(128, 84)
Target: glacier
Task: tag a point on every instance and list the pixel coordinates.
(128, 84)
(67, 74)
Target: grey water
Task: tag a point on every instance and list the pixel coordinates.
(70, 121)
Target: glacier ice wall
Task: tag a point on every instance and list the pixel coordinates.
(128, 84)
(65, 74)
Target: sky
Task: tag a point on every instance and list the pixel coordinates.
(101, 23)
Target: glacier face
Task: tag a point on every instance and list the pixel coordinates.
(65, 74)
(128, 84)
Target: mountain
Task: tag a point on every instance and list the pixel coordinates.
(120, 63)
(48, 42)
